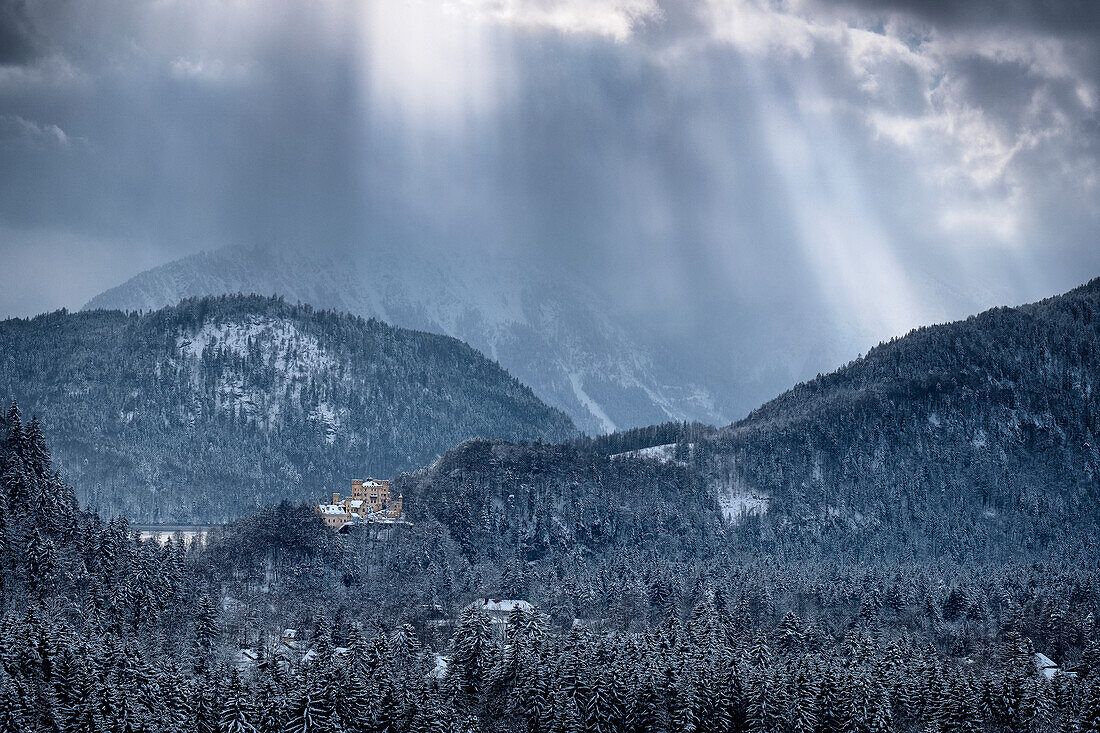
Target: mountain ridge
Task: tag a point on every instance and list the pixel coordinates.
(546, 328)
(975, 440)
(975, 428)
(198, 411)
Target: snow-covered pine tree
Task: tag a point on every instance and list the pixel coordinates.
(11, 710)
(1090, 708)
(803, 697)
(567, 718)
(790, 634)
(205, 633)
(471, 654)
(308, 714)
(237, 711)
(830, 710)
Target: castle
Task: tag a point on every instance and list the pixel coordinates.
(370, 500)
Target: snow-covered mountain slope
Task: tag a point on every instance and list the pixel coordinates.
(201, 411)
(548, 330)
(968, 436)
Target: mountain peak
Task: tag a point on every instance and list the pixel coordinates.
(549, 331)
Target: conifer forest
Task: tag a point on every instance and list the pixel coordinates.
(275, 623)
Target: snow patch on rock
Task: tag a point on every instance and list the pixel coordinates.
(290, 356)
(736, 507)
(590, 404)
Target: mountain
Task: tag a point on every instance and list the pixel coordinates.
(544, 327)
(972, 440)
(967, 438)
(196, 412)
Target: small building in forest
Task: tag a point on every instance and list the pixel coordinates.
(247, 659)
(1048, 668)
(499, 609)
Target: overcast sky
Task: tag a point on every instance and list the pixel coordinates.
(887, 164)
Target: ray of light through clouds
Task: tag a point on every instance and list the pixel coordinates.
(755, 182)
(962, 155)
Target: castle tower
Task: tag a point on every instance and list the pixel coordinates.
(375, 493)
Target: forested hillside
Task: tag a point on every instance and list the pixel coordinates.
(543, 325)
(199, 412)
(104, 632)
(979, 438)
(503, 502)
(974, 440)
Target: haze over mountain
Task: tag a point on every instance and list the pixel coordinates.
(760, 189)
(966, 437)
(202, 411)
(547, 328)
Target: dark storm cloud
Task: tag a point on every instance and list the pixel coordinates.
(18, 43)
(1063, 17)
(734, 175)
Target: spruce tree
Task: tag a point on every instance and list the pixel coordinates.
(272, 717)
(1090, 708)
(961, 712)
(11, 710)
(803, 704)
(309, 714)
(567, 717)
(1042, 706)
(237, 713)
(471, 653)
(791, 635)
(205, 634)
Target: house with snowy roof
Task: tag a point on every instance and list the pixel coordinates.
(498, 610)
(1048, 668)
(247, 659)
